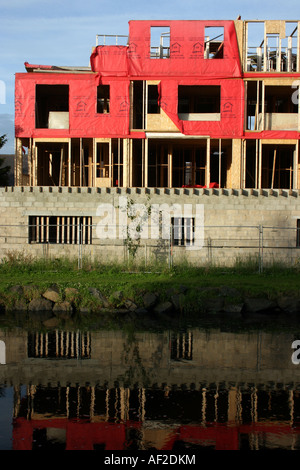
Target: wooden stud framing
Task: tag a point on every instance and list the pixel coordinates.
(207, 176)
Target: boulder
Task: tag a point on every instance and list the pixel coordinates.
(51, 322)
(52, 294)
(233, 308)
(289, 304)
(20, 305)
(97, 294)
(150, 299)
(118, 295)
(213, 305)
(63, 307)
(259, 305)
(130, 305)
(40, 305)
(71, 293)
(16, 289)
(178, 301)
(163, 307)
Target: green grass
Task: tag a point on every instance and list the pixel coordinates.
(21, 270)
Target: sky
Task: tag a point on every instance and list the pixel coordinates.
(63, 33)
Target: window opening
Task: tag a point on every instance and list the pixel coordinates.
(214, 42)
(182, 346)
(273, 51)
(103, 99)
(153, 106)
(277, 166)
(160, 42)
(138, 104)
(52, 107)
(183, 231)
(254, 105)
(199, 102)
(60, 230)
(59, 344)
(281, 111)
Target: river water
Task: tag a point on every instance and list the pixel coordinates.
(207, 386)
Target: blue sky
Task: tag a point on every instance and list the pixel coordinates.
(63, 33)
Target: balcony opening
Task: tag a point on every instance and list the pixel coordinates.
(138, 162)
(251, 164)
(189, 164)
(157, 165)
(52, 164)
(277, 166)
(220, 162)
(52, 107)
(214, 42)
(102, 165)
(103, 99)
(281, 109)
(254, 105)
(199, 102)
(160, 42)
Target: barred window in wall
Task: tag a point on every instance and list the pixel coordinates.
(183, 229)
(64, 230)
(59, 344)
(182, 346)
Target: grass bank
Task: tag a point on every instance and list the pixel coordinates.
(275, 280)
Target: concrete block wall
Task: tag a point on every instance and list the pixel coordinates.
(231, 222)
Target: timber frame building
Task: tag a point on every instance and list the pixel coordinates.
(175, 104)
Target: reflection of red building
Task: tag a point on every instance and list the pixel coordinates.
(82, 435)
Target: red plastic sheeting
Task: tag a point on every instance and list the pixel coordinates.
(110, 61)
(118, 65)
(186, 50)
(83, 117)
(272, 135)
(231, 108)
(211, 185)
(187, 47)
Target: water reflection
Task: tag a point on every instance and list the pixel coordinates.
(202, 388)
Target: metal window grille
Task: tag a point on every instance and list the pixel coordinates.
(60, 230)
(183, 231)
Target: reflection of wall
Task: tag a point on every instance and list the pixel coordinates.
(15, 345)
(148, 358)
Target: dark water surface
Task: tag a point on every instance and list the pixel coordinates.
(207, 386)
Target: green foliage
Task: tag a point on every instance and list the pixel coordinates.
(5, 170)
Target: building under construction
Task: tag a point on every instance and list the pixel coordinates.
(174, 104)
(178, 110)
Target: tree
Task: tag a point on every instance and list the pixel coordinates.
(5, 170)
